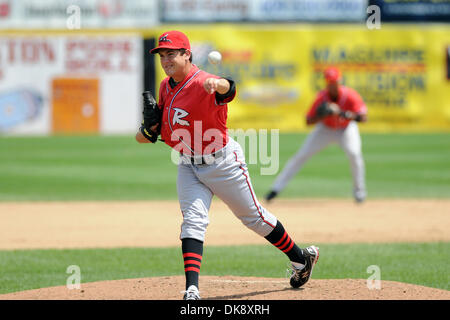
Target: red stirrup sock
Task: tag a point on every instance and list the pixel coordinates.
(281, 239)
(192, 255)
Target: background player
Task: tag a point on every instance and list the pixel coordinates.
(194, 108)
(336, 111)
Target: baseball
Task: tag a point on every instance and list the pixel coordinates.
(214, 57)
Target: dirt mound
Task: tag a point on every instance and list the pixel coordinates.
(233, 288)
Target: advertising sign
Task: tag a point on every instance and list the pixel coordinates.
(59, 14)
(263, 10)
(401, 72)
(61, 84)
(416, 10)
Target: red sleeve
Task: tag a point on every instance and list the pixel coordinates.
(358, 104)
(319, 99)
(162, 93)
(220, 99)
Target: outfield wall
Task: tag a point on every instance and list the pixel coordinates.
(91, 81)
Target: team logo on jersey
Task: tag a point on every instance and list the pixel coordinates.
(178, 117)
(164, 38)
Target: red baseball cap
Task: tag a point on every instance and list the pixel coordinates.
(332, 74)
(172, 40)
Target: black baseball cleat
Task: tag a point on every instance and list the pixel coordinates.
(272, 194)
(300, 276)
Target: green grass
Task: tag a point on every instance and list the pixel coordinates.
(118, 168)
(397, 166)
(84, 168)
(424, 264)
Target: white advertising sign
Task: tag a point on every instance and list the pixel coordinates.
(263, 10)
(56, 14)
(38, 72)
(308, 10)
(204, 10)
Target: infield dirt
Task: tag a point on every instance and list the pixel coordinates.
(157, 224)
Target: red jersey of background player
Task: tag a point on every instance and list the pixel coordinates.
(348, 100)
(193, 121)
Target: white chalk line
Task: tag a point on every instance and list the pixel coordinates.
(249, 281)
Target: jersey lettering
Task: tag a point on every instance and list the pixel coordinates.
(178, 117)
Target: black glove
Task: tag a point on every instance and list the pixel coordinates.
(148, 134)
(323, 110)
(152, 116)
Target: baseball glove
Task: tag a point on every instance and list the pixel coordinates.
(152, 115)
(327, 108)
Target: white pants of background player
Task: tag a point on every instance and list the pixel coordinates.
(229, 180)
(349, 140)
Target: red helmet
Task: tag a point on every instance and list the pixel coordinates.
(332, 74)
(172, 40)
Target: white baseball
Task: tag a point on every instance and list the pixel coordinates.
(214, 57)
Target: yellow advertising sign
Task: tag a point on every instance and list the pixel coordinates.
(400, 71)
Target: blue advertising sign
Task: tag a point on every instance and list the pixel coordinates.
(414, 10)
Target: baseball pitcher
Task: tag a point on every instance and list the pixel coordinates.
(190, 117)
(336, 110)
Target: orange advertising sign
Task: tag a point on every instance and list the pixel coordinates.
(75, 104)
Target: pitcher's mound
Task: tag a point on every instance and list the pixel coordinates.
(235, 288)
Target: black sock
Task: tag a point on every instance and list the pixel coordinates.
(192, 255)
(280, 239)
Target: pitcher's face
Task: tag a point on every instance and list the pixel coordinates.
(333, 89)
(173, 61)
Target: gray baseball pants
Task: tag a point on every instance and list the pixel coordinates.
(227, 178)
